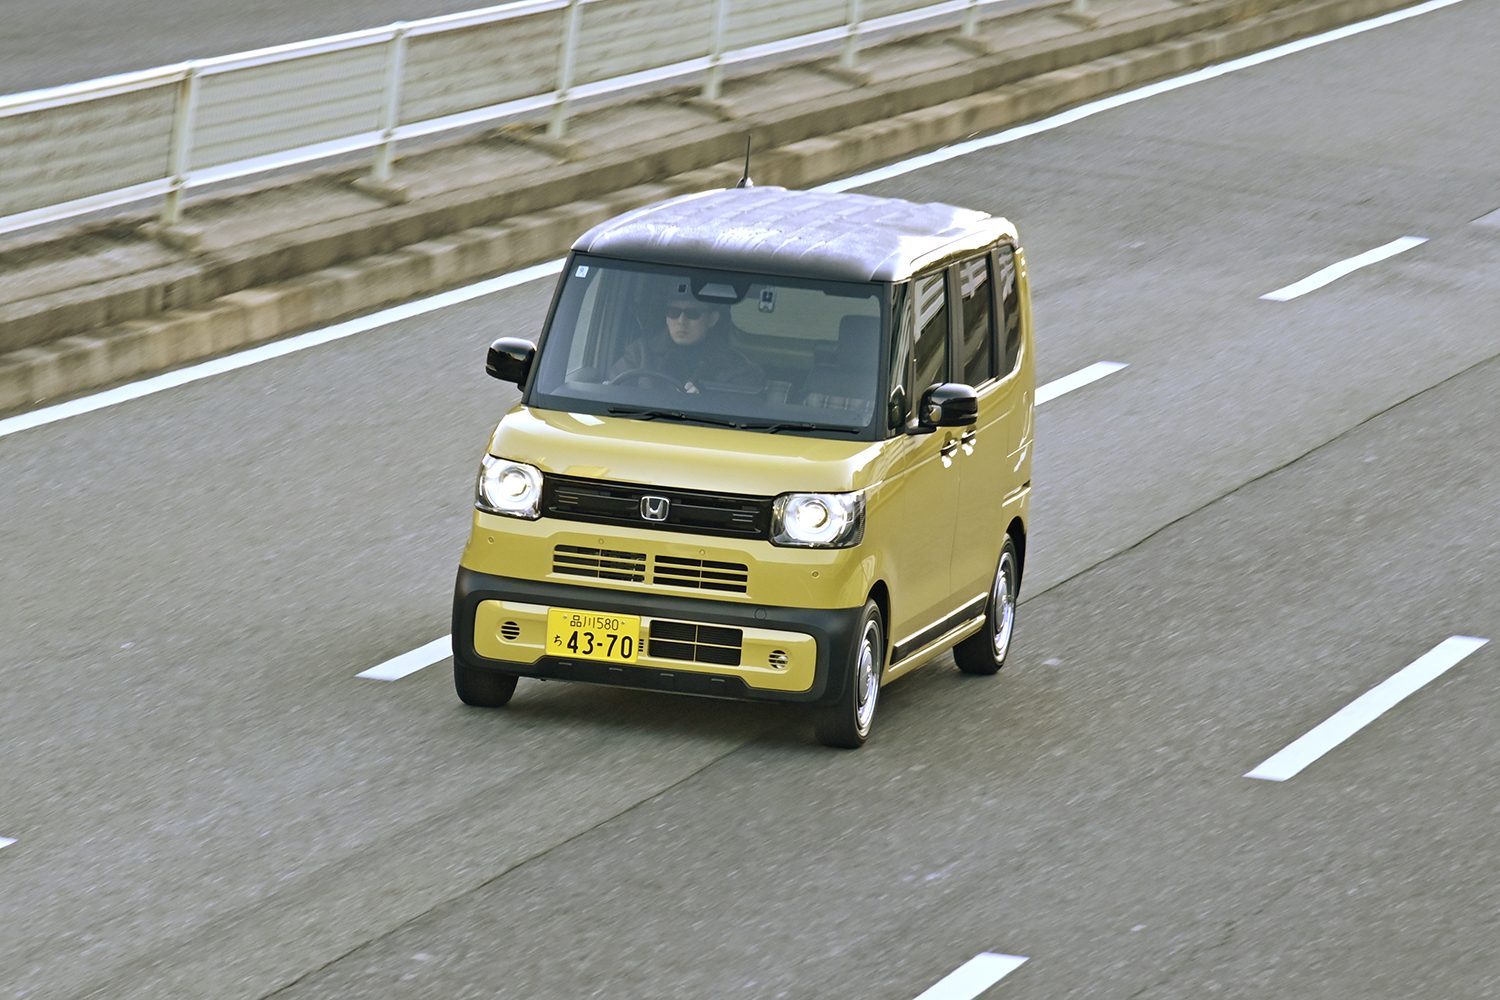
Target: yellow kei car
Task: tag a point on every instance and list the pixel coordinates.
(771, 445)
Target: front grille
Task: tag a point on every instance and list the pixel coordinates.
(695, 643)
(600, 564)
(701, 574)
(688, 511)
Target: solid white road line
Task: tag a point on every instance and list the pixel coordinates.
(277, 349)
(973, 977)
(1366, 708)
(409, 663)
(1077, 380)
(7, 841)
(135, 390)
(1333, 272)
(1129, 97)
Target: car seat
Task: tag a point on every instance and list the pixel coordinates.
(843, 374)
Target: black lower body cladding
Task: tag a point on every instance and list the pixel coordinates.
(836, 632)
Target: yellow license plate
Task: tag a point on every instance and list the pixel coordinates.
(593, 635)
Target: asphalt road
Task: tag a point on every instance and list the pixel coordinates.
(1276, 506)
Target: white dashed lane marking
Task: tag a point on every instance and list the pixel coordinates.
(1077, 380)
(409, 663)
(973, 977)
(1333, 272)
(7, 841)
(1366, 708)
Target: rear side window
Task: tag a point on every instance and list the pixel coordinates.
(976, 346)
(1010, 307)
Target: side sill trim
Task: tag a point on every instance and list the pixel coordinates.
(939, 630)
(916, 659)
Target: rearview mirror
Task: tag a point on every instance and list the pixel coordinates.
(509, 360)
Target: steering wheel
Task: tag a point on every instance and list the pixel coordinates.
(646, 373)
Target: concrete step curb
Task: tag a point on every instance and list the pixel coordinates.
(395, 269)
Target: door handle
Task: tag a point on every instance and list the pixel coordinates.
(968, 439)
(949, 449)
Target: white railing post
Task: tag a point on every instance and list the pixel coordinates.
(971, 20)
(558, 127)
(181, 156)
(713, 83)
(390, 105)
(851, 41)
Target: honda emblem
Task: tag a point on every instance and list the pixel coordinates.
(654, 508)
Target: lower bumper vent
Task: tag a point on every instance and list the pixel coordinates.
(695, 643)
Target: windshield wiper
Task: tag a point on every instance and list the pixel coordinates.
(630, 411)
(773, 428)
(640, 414)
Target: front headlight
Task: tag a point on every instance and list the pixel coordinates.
(818, 520)
(507, 487)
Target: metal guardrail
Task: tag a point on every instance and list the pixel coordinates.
(71, 150)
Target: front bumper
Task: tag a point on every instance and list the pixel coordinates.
(483, 604)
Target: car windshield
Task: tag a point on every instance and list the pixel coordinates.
(755, 352)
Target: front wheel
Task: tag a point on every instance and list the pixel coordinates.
(984, 652)
(481, 687)
(846, 722)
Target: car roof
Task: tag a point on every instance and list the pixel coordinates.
(815, 234)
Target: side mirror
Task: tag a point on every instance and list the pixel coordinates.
(947, 404)
(510, 360)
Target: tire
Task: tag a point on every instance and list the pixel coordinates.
(984, 652)
(846, 722)
(482, 687)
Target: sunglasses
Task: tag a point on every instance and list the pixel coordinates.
(675, 312)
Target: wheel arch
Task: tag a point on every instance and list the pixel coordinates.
(881, 595)
(1017, 532)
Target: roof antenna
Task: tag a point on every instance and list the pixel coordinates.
(745, 181)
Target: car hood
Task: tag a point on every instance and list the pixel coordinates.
(685, 456)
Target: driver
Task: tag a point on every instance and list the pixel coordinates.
(691, 348)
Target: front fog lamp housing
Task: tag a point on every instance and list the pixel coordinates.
(511, 488)
(818, 520)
